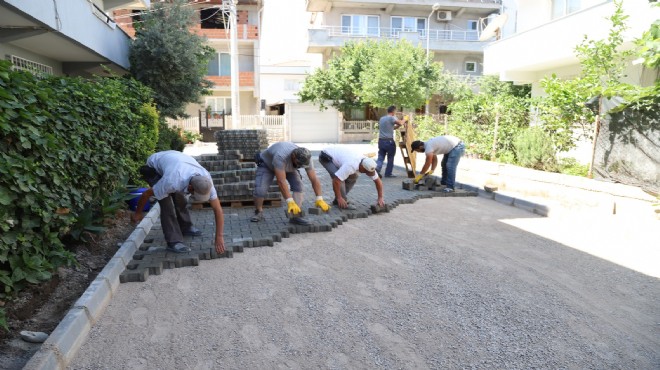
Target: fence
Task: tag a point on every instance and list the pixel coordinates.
(187, 124)
(274, 125)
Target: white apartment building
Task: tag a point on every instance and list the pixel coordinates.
(65, 37)
(546, 32)
(450, 29)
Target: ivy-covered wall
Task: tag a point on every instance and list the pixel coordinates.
(65, 144)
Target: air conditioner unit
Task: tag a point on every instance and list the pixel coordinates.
(444, 15)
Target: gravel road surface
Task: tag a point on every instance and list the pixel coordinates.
(443, 283)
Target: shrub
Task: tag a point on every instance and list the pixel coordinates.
(169, 138)
(66, 143)
(533, 149)
(570, 166)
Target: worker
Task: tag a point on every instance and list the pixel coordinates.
(344, 166)
(451, 148)
(386, 144)
(283, 160)
(171, 176)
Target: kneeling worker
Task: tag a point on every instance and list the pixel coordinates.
(171, 175)
(344, 166)
(282, 161)
(450, 147)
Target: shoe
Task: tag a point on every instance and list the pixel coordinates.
(258, 216)
(193, 231)
(447, 190)
(299, 221)
(178, 248)
(391, 176)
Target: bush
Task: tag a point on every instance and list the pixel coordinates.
(533, 149)
(66, 144)
(570, 166)
(169, 138)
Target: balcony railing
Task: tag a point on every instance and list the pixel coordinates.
(395, 33)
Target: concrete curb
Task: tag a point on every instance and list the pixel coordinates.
(65, 341)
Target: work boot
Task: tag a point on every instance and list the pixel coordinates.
(297, 220)
(258, 216)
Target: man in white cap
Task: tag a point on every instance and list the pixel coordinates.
(171, 176)
(282, 161)
(344, 166)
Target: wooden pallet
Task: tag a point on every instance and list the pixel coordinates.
(245, 203)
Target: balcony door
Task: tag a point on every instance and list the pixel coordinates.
(360, 25)
(408, 24)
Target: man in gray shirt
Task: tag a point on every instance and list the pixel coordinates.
(282, 161)
(386, 143)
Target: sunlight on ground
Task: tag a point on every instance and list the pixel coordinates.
(635, 245)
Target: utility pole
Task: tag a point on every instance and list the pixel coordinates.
(233, 45)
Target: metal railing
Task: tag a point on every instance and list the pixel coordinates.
(395, 33)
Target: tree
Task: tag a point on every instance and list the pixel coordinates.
(376, 73)
(170, 59)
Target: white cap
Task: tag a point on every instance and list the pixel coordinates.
(202, 188)
(368, 164)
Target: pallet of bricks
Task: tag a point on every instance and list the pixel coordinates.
(233, 169)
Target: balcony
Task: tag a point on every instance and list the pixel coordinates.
(245, 79)
(486, 6)
(439, 40)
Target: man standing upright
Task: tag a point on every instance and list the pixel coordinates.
(386, 143)
(283, 160)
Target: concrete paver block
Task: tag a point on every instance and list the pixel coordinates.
(44, 359)
(95, 299)
(70, 334)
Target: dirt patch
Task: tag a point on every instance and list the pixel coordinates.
(42, 307)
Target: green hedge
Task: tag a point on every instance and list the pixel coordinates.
(66, 143)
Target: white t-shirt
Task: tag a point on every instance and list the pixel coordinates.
(176, 170)
(347, 161)
(441, 144)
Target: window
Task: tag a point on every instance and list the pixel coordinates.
(471, 67)
(408, 24)
(214, 18)
(220, 65)
(472, 25)
(291, 85)
(561, 8)
(360, 25)
(219, 104)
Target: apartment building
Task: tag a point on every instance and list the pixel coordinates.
(65, 37)
(449, 29)
(545, 34)
(212, 22)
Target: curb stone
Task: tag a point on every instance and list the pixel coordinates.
(65, 341)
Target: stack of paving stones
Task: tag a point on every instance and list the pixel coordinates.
(240, 233)
(248, 142)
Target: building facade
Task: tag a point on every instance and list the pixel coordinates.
(72, 37)
(450, 29)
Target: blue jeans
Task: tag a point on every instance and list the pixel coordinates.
(450, 163)
(386, 146)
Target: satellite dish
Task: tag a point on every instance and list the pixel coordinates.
(492, 29)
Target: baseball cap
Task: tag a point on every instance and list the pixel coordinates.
(302, 155)
(368, 164)
(202, 186)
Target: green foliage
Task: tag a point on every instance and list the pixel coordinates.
(169, 138)
(65, 142)
(649, 45)
(602, 68)
(426, 127)
(533, 149)
(570, 166)
(3, 319)
(189, 136)
(376, 73)
(474, 119)
(170, 59)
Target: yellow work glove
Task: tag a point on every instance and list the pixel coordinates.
(322, 204)
(418, 177)
(292, 207)
(429, 172)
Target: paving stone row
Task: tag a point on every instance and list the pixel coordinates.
(239, 233)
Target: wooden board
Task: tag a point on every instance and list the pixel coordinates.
(407, 137)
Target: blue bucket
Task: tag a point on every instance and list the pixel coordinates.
(132, 203)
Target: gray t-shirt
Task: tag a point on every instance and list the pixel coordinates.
(441, 144)
(278, 156)
(176, 170)
(386, 127)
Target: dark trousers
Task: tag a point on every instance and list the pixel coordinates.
(386, 147)
(174, 215)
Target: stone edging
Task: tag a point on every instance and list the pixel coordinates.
(64, 342)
